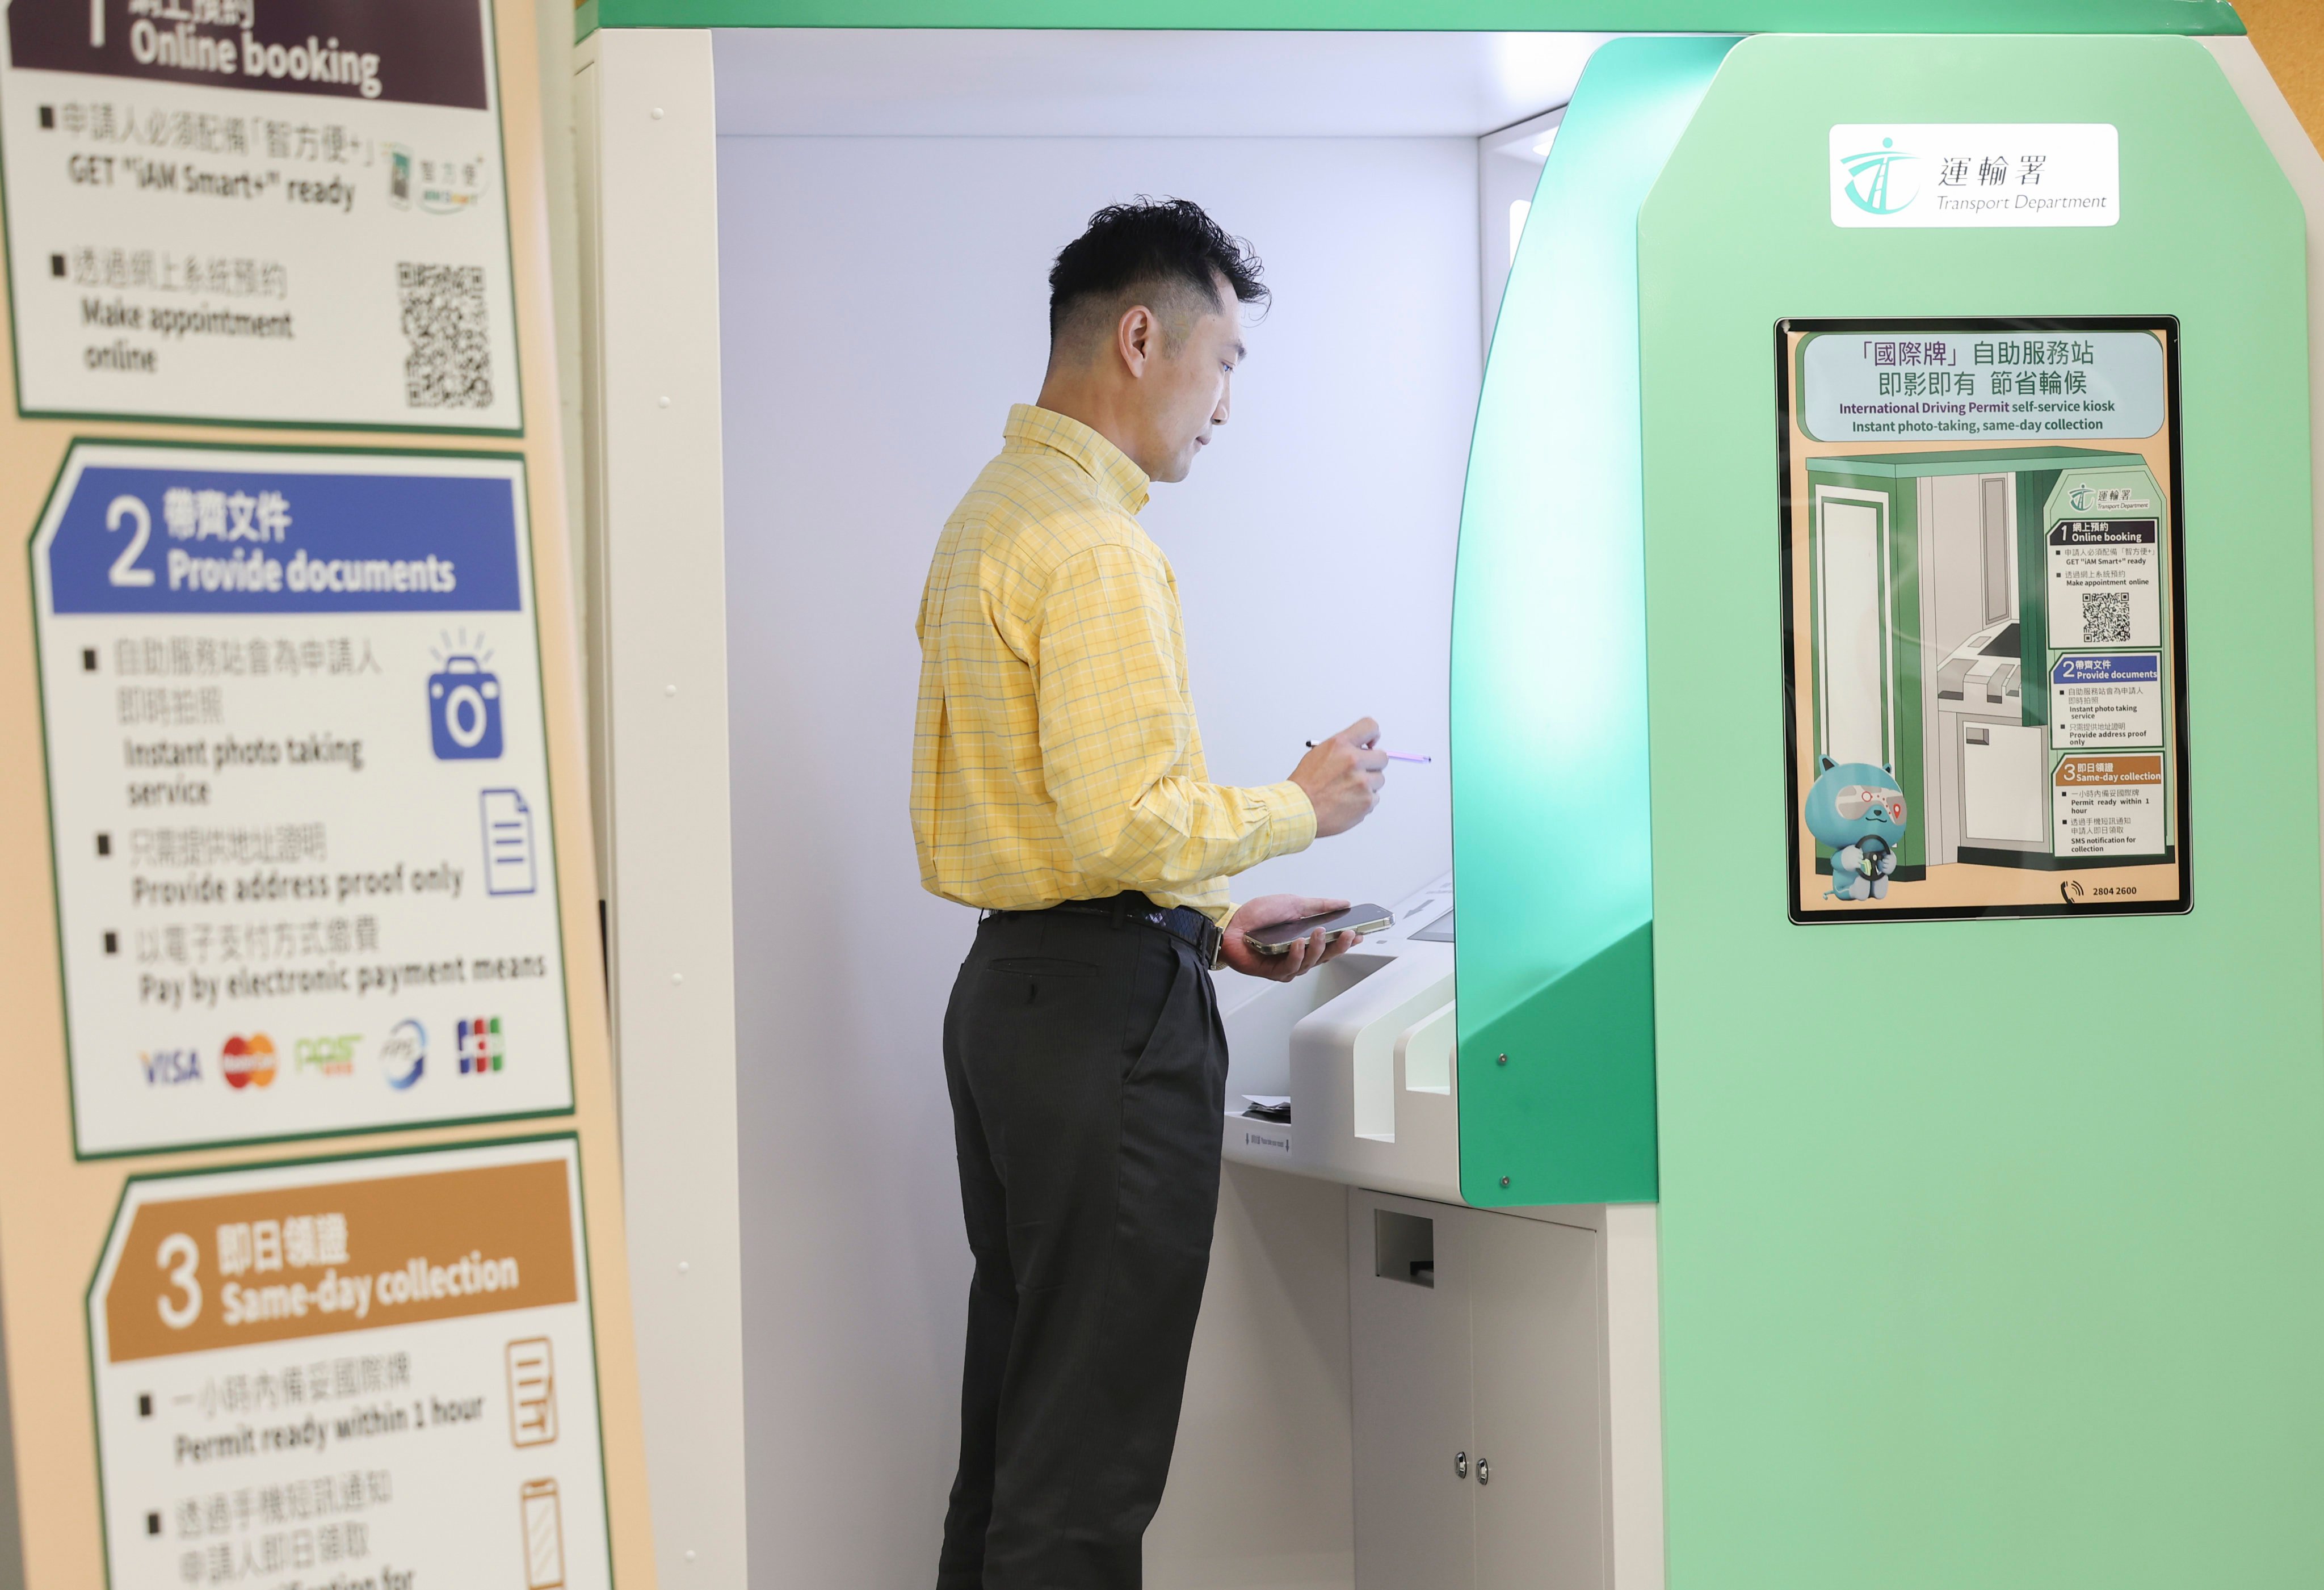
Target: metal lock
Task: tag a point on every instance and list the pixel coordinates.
(1461, 1465)
(1484, 1472)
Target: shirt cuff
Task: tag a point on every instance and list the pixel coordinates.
(1290, 818)
(1290, 827)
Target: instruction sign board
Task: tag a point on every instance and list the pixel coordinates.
(2106, 580)
(2107, 699)
(375, 1371)
(1885, 385)
(273, 211)
(290, 724)
(2109, 806)
(298, 778)
(1985, 707)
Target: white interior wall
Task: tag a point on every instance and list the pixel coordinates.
(882, 302)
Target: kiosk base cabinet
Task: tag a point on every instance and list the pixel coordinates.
(1487, 1398)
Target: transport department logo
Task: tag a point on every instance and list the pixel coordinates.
(1875, 183)
(2090, 498)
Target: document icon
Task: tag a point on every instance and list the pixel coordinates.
(508, 843)
(533, 1392)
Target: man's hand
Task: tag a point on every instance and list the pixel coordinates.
(1306, 955)
(1342, 776)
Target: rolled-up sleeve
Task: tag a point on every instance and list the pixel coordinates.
(1115, 721)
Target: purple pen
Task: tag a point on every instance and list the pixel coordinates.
(1391, 756)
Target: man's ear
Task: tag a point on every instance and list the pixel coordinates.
(1138, 338)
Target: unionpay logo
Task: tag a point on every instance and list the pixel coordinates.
(404, 1055)
(1881, 181)
(248, 1063)
(480, 1046)
(167, 1068)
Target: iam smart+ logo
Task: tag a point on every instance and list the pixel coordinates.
(1875, 183)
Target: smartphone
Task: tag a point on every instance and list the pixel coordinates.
(1356, 919)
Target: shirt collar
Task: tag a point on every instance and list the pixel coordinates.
(1116, 476)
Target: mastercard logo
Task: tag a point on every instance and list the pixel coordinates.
(249, 1062)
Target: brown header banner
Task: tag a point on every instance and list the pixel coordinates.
(201, 1273)
(413, 52)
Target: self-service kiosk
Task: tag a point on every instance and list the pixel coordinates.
(1834, 1104)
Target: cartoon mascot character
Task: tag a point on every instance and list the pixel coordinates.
(1857, 808)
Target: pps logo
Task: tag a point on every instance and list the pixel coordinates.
(463, 708)
(1881, 181)
(404, 1055)
(332, 1055)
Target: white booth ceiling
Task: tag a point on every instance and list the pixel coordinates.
(1091, 83)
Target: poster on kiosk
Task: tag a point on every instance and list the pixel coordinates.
(310, 1234)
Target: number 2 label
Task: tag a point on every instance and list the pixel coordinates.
(125, 571)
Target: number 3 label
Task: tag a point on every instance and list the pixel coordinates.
(179, 1255)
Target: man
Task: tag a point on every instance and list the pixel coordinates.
(1058, 784)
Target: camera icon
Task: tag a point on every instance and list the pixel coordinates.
(463, 711)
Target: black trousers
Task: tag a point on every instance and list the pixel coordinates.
(1088, 1075)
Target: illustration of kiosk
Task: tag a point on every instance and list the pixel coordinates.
(1982, 623)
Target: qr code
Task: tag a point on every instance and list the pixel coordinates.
(2106, 618)
(451, 365)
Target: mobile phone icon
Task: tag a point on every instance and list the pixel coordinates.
(544, 1536)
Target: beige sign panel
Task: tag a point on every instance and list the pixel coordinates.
(276, 211)
(346, 1367)
(416, 1340)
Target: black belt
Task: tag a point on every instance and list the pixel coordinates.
(1184, 922)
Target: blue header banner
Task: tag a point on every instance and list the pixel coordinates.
(2135, 668)
(187, 540)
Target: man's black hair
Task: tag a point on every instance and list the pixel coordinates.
(1167, 244)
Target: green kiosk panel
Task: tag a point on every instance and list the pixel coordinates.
(1988, 1193)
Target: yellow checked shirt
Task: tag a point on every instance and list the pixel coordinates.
(1056, 755)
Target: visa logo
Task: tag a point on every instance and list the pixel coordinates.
(166, 1068)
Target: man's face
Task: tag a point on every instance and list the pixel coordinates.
(1185, 389)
